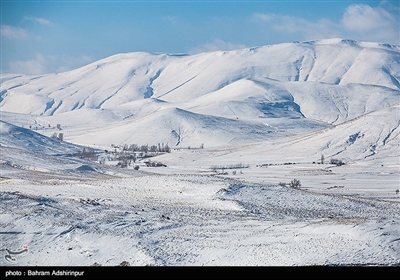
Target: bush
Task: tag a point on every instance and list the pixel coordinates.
(337, 162)
(155, 164)
(124, 263)
(295, 184)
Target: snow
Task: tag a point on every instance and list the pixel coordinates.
(193, 220)
(241, 126)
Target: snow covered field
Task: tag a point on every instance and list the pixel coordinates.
(242, 125)
(199, 219)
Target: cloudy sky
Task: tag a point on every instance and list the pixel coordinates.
(39, 37)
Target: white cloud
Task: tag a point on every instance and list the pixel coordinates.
(41, 64)
(359, 22)
(215, 45)
(362, 17)
(373, 24)
(263, 17)
(13, 32)
(34, 66)
(307, 29)
(293, 25)
(41, 21)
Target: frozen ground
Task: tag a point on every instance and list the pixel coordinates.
(226, 206)
(192, 220)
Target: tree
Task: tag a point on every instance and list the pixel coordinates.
(153, 148)
(322, 159)
(88, 153)
(144, 148)
(132, 158)
(133, 147)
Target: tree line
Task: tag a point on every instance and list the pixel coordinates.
(125, 155)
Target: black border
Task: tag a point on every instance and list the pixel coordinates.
(214, 272)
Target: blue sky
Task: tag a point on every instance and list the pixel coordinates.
(39, 37)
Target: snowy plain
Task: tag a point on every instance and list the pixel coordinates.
(265, 116)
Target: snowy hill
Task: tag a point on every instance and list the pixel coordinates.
(213, 98)
(265, 115)
(16, 137)
(22, 150)
(356, 140)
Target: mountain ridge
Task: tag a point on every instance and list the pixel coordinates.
(221, 97)
(165, 74)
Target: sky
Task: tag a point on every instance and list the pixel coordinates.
(39, 36)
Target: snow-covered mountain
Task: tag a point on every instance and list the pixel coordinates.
(265, 115)
(372, 136)
(214, 98)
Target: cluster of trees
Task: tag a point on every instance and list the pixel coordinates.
(127, 155)
(337, 162)
(125, 158)
(154, 164)
(334, 161)
(232, 166)
(160, 148)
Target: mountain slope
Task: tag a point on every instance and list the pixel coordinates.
(373, 136)
(22, 149)
(122, 78)
(236, 96)
(12, 136)
(177, 127)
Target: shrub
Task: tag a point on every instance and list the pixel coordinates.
(337, 162)
(124, 263)
(295, 184)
